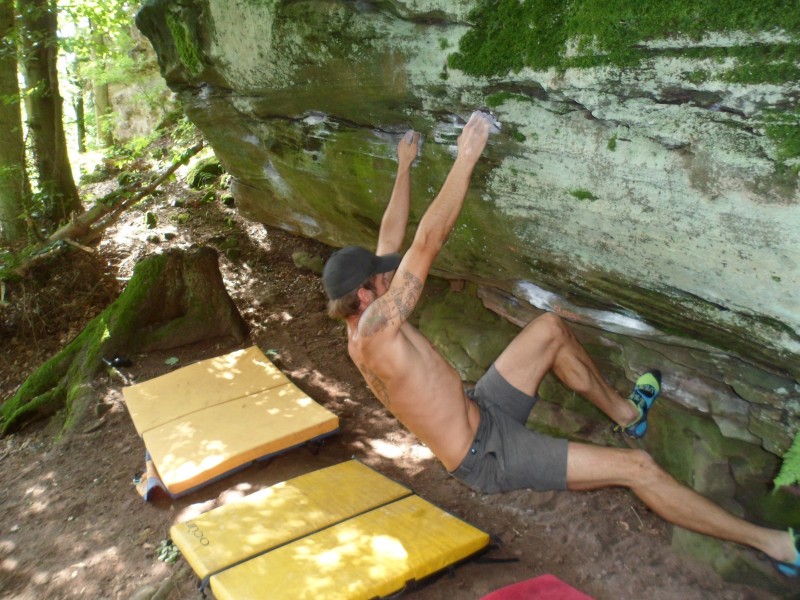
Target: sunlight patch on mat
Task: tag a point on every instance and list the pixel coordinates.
(210, 418)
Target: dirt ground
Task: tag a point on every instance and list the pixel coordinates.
(73, 525)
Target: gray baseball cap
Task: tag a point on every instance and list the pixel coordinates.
(349, 267)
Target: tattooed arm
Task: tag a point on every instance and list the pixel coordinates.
(393, 308)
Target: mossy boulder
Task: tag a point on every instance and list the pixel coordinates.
(644, 185)
(623, 140)
(204, 171)
(468, 335)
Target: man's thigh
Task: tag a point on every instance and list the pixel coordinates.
(493, 391)
(532, 460)
(591, 467)
(530, 355)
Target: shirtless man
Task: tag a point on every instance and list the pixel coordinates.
(480, 436)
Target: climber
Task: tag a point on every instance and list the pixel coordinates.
(479, 435)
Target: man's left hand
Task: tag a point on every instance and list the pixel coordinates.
(408, 148)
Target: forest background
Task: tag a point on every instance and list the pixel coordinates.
(96, 43)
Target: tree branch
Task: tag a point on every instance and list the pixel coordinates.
(89, 225)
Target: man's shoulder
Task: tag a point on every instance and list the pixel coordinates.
(375, 343)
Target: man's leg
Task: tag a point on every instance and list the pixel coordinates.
(548, 343)
(592, 467)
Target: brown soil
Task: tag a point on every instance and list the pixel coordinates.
(73, 525)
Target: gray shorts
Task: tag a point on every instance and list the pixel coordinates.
(505, 455)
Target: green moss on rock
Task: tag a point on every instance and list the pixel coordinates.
(508, 34)
(465, 332)
(185, 44)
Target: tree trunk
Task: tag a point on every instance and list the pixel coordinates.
(173, 299)
(45, 119)
(78, 104)
(13, 181)
(80, 121)
(103, 115)
(103, 112)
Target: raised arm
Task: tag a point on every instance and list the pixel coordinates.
(394, 307)
(395, 217)
(439, 219)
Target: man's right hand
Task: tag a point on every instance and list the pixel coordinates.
(473, 138)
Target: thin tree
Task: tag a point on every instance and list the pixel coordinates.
(102, 99)
(44, 108)
(13, 180)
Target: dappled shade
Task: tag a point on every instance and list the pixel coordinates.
(210, 418)
(284, 512)
(345, 531)
(369, 556)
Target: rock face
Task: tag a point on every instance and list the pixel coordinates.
(645, 190)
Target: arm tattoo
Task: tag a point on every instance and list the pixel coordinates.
(406, 298)
(377, 319)
(376, 384)
(403, 299)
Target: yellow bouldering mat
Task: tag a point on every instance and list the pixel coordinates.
(345, 532)
(200, 385)
(210, 418)
(282, 513)
(369, 556)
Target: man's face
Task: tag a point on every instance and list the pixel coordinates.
(381, 282)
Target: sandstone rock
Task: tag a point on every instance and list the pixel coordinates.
(647, 191)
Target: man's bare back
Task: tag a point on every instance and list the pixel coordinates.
(400, 366)
(417, 385)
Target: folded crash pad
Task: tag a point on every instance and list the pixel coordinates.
(210, 418)
(342, 532)
(282, 513)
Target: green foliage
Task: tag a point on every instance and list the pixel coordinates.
(9, 99)
(97, 42)
(612, 142)
(168, 552)
(101, 30)
(184, 133)
(9, 261)
(136, 147)
(790, 470)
